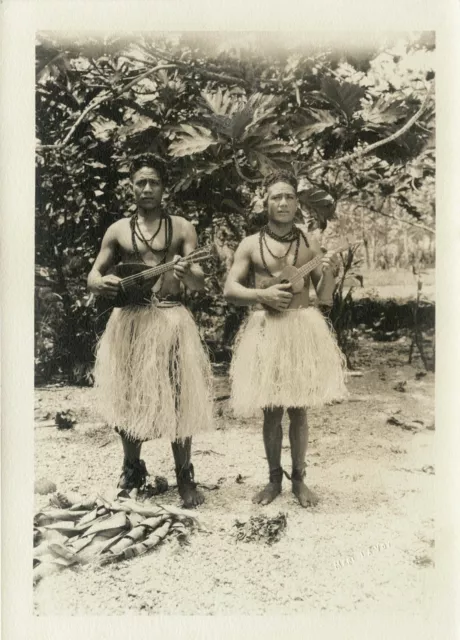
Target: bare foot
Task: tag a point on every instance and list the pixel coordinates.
(268, 493)
(304, 495)
(191, 496)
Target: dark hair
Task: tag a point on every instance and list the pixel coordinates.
(148, 160)
(280, 176)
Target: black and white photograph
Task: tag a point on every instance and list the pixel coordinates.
(234, 324)
(190, 182)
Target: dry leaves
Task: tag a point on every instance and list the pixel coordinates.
(261, 528)
(97, 530)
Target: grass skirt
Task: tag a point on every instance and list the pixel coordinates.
(152, 375)
(290, 359)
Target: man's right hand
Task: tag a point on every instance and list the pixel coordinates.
(106, 286)
(277, 296)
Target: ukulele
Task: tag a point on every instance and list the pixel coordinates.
(295, 277)
(137, 279)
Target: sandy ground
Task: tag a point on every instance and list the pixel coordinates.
(368, 546)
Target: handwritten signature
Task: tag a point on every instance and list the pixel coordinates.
(368, 553)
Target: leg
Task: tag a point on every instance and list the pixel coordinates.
(298, 437)
(273, 437)
(182, 451)
(131, 449)
(134, 472)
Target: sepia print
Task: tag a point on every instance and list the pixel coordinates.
(234, 323)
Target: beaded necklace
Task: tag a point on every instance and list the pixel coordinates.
(271, 252)
(140, 234)
(294, 235)
(137, 233)
(291, 235)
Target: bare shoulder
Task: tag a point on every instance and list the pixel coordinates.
(248, 244)
(313, 240)
(251, 241)
(117, 228)
(182, 224)
(180, 220)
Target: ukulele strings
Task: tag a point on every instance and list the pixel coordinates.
(159, 269)
(303, 271)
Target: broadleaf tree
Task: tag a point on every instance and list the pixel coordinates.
(356, 126)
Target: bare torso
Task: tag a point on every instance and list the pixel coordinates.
(276, 266)
(167, 284)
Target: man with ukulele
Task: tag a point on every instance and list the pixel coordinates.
(152, 375)
(285, 356)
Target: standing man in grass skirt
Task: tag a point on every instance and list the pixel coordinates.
(152, 374)
(284, 358)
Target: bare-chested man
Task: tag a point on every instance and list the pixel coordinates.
(152, 376)
(286, 358)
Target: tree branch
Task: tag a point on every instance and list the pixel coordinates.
(98, 100)
(362, 152)
(212, 75)
(388, 215)
(144, 75)
(241, 174)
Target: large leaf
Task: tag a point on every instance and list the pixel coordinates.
(318, 203)
(235, 119)
(51, 64)
(344, 95)
(194, 174)
(103, 128)
(262, 103)
(231, 126)
(240, 121)
(220, 102)
(140, 124)
(221, 124)
(268, 156)
(264, 163)
(192, 140)
(319, 121)
(271, 147)
(263, 115)
(266, 130)
(383, 113)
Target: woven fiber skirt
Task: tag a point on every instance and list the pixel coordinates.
(152, 374)
(289, 359)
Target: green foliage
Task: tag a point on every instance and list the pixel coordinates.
(222, 113)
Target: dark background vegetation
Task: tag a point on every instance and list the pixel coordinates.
(356, 124)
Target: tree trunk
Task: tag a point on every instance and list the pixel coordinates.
(365, 241)
(406, 249)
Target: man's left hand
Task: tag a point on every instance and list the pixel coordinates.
(181, 268)
(330, 263)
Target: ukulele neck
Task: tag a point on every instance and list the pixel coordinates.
(307, 268)
(156, 271)
(147, 274)
(316, 262)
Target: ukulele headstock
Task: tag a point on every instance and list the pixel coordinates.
(199, 255)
